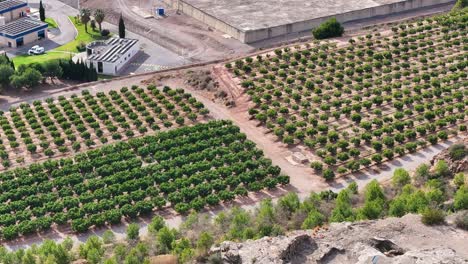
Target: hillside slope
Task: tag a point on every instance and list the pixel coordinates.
(391, 240)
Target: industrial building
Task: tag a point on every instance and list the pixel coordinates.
(110, 56)
(254, 20)
(16, 28)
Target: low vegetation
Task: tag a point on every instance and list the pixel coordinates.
(429, 194)
(51, 22)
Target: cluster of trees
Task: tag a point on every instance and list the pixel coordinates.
(197, 166)
(77, 71)
(31, 75)
(99, 16)
(431, 192)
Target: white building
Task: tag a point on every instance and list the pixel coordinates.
(110, 56)
(16, 28)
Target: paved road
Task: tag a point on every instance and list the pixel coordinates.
(57, 37)
(152, 57)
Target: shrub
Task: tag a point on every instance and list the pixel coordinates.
(458, 151)
(461, 220)
(81, 46)
(353, 188)
(328, 174)
(314, 218)
(105, 32)
(461, 198)
(316, 165)
(133, 231)
(441, 169)
(400, 178)
(459, 179)
(48, 152)
(328, 29)
(432, 216)
(31, 148)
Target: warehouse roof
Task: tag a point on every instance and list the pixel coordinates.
(8, 5)
(110, 50)
(21, 27)
(247, 15)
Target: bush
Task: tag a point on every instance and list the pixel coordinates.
(432, 216)
(314, 218)
(133, 231)
(105, 32)
(461, 198)
(328, 174)
(459, 179)
(81, 47)
(462, 220)
(458, 151)
(316, 165)
(442, 169)
(328, 29)
(400, 178)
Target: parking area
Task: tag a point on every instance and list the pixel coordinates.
(152, 58)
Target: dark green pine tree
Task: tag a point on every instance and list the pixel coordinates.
(121, 27)
(41, 11)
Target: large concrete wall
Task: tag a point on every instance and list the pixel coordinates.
(252, 36)
(207, 19)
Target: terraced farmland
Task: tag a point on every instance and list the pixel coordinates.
(64, 126)
(359, 104)
(186, 168)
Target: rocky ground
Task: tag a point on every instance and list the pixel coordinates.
(455, 165)
(392, 240)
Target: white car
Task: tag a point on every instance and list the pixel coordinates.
(36, 50)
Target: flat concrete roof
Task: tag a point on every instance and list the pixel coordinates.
(248, 15)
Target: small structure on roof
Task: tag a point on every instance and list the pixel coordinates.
(16, 28)
(110, 56)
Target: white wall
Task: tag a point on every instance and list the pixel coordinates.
(114, 68)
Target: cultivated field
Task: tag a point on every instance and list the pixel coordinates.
(359, 104)
(187, 168)
(53, 128)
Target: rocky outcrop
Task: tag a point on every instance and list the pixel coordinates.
(392, 240)
(458, 163)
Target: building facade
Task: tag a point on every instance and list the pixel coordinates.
(109, 57)
(16, 28)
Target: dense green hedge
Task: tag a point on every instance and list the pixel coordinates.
(328, 29)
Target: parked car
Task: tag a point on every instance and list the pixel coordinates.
(36, 50)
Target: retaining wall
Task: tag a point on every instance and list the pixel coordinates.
(252, 36)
